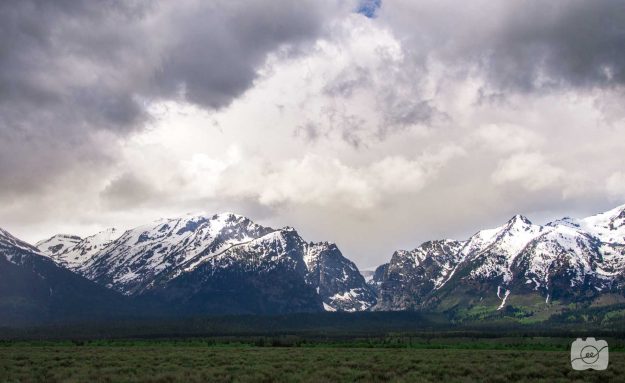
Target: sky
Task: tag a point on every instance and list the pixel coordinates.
(373, 124)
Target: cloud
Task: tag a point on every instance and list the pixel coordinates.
(128, 191)
(615, 185)
(218, 47)
(431, 119)
(506, 137)
(71, 72)
(317, 180)
(517, 45)
(530, 170)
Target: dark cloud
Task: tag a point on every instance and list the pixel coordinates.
(71, 69)
(518, 45)
(219, 45)
(128, 191)
(553, 44)
(77, 79)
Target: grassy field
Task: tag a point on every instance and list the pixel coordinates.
(198, 361)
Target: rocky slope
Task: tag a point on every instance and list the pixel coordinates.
(566, 260)
(201, 255)
(35, 290)
(226, 263)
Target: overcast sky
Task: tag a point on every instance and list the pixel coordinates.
(376, 125)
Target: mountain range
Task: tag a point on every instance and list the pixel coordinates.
(522, 267)
(224, 263)
(228, 264)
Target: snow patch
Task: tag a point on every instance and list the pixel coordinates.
(505, 297)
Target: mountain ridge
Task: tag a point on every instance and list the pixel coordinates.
(34, 290)
(568, 259)
(149, 257)
(518, 265)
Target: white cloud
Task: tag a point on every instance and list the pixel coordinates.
(530, 170)
(311, 179)
(615, 186)
(506, 137)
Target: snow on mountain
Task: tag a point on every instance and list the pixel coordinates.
(58, 244)
(264, 275)
(34, 289)
(147, 257)
(411, 275)
(274, 249)
(562, 258)
(11, 246)
(72, 252)
(337, 279)
(499, 252)
(560, 255)
(132, 261)
(609, 227)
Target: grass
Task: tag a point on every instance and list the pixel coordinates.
(202, 361)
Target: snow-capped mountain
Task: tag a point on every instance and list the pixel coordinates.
(336, 278)
(567, 259)
(34, 289)
(132, 261)
(157, 256)
(10, 246)
(72, 251)
(227, 263)
(411, 275)
(58, 244)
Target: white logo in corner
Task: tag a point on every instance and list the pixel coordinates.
(589, 353)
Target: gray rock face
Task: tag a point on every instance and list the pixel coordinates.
(317, 276)
(412, 275)
(265, 275)
(225, 247)
(566, 259)
(338, 280)
(227, 263)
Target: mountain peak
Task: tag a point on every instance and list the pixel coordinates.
(616, 213)
(608, 226)
(7, 239)
(228, 215)
(57, 243)
(66, 236)
(519, 219)
(565, 221)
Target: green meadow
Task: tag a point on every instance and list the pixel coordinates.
(285, 359)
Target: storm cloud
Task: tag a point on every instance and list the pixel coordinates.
(375, 124)
(517, 45)
(72, 71)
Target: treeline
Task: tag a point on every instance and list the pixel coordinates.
(321, 327)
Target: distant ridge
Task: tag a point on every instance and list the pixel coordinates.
(219, 263)
(520, 263)
(227, 264)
